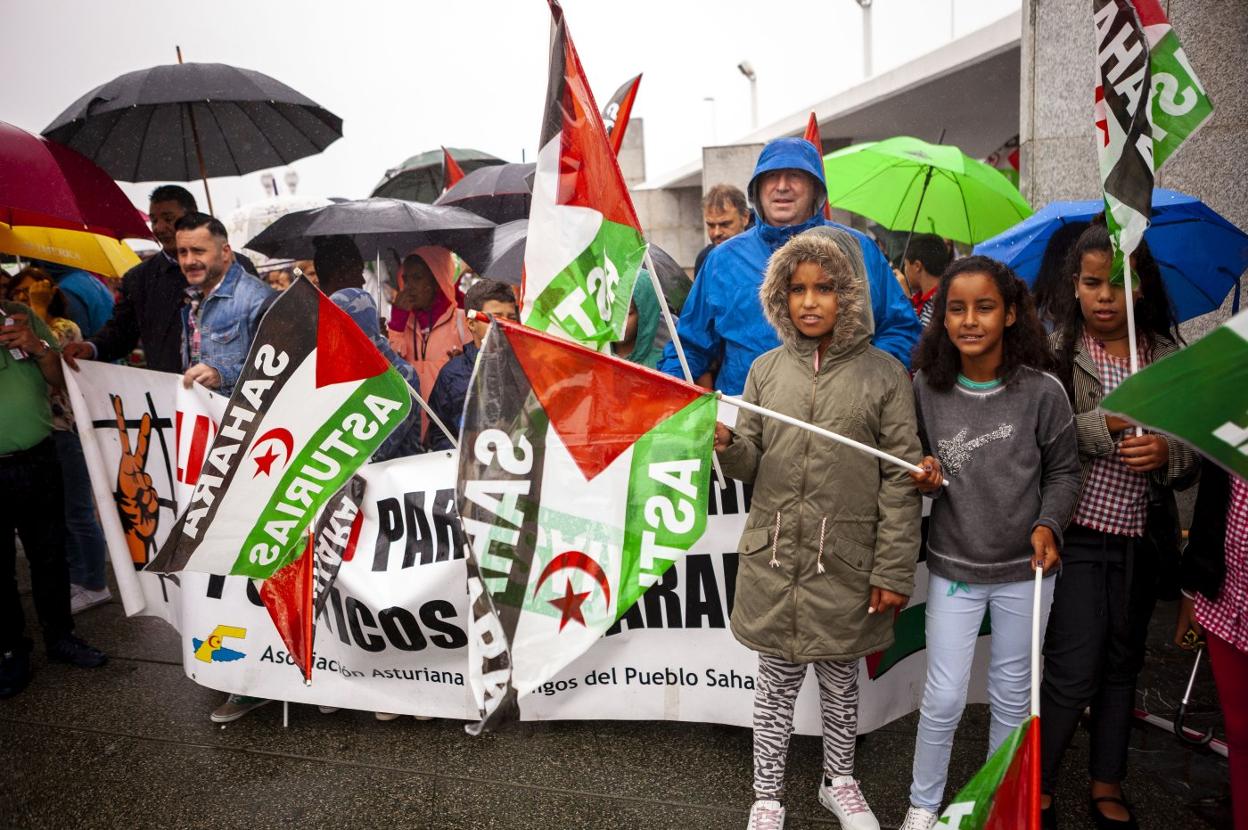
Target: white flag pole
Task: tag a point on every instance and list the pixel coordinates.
(680, 349)
(1035, 643)
(433, 417)
(825, 433)
(1129, 301)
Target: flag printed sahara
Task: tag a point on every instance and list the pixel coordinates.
(584, 244)
(1125, 145)
(582, 478)
(1005, 793)
(1199, 395)
(313, 402)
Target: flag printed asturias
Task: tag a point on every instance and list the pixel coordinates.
(584, 245)
(1199, 395)
(1005, 793)
(582, 478)
(313, 402)
(1180, 104)
(1125, 144)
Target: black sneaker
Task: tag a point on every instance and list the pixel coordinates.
(69, 649)
(14, 671)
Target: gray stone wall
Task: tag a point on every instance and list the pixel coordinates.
(1058, 148)
(672, 219)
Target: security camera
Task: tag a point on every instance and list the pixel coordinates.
(747, 69)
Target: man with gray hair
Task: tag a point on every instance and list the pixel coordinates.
(726, 213)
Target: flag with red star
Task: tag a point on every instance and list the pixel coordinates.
(314, 400)
(582, 478)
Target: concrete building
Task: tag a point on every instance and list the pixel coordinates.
(968, 89)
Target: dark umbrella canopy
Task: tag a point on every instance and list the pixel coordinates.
(138, 126)
(390, 227)
(501, 193)
(419, 178)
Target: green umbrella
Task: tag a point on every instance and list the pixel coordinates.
(909, 185)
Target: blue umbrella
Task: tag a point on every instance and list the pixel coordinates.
(1201, 254)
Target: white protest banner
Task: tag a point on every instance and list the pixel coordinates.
(395, 631)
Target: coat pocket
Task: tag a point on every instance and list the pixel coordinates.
(856, 555)
(224, 335)
(754, 540)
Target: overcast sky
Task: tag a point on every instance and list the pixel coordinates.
(406, 77)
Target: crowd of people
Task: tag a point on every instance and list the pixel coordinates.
(942, 358)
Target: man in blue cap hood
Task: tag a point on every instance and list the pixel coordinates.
(723, 318)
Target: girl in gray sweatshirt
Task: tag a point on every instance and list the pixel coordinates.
(999, 430)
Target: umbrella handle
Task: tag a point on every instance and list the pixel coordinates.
(1180, 731)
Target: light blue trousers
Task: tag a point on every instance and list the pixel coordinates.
(955, 611)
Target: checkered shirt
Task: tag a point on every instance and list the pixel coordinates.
(1115, 497)
(1227, 616)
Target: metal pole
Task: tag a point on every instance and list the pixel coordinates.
(866, 37)
(199, 152)
(824, 433)
(754, 103)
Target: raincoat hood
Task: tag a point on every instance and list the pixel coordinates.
(838, 253)
(646, 350)
(790, 154)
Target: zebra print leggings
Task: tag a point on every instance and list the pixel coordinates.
(779, 681)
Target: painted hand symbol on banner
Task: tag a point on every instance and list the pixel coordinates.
(136, 497)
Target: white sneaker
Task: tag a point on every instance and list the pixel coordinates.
(918, 818)
(80, 598)
(386, 716)
(328, 710)
(766, 815)
(845, 800)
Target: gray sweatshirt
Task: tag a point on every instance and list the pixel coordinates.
(1012, 463)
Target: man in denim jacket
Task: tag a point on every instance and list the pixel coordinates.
(223, 305)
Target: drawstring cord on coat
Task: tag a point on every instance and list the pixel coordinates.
(775, 542)
(823, 523)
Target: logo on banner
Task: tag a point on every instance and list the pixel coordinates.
(275, 439)
(212, 649)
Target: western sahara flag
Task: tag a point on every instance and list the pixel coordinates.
(616, 113)
(1179, 104)
(1005, 793)
(1126, 137)
(1199, 395)
(313, 402)
(584, 245)
(581, 479)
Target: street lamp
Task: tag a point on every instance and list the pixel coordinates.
(747, 69)
(292, 180)
(865, 5)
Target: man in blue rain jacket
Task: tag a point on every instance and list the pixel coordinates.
(722, 317)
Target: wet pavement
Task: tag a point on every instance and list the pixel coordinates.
(130, 745)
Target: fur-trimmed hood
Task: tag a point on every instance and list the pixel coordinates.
(838, 253)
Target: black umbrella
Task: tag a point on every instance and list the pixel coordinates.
(419, 178)
(379, 226)
(501, 193)
(186, 121)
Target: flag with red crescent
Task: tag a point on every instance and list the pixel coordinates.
(582, 479)
(314, 400)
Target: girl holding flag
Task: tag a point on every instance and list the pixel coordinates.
(828, 552)
(1002, 434)
(1094, 647)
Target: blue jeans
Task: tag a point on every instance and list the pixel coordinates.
(85, 550)
(954, 613)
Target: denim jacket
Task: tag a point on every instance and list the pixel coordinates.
(228, 320)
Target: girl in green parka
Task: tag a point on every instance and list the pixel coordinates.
(829, 549)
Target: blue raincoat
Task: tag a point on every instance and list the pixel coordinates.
(723, 318)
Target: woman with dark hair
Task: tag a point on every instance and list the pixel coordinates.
(1052, 287)
(1107, 589)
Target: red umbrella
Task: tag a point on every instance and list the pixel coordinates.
(48, 185)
